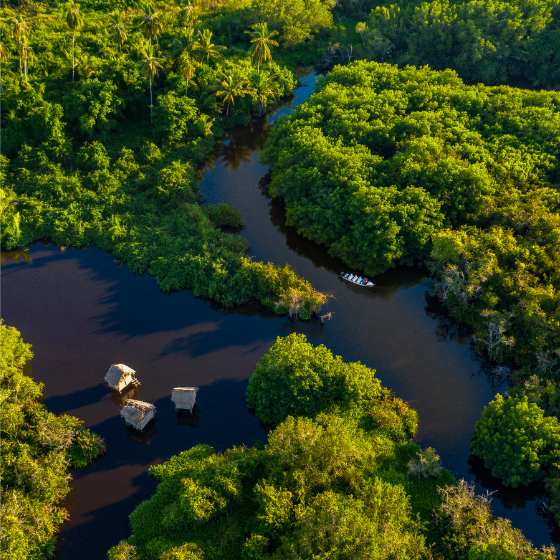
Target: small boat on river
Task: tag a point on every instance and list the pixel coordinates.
(357, 280)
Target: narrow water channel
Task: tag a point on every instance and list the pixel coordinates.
(82, 311)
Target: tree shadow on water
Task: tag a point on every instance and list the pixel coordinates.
(78, 399)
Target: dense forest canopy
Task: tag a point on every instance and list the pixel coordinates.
(108, 117)
(341, 482)
(38, 450)
(514, 42)
(110, 110)
(388, 166)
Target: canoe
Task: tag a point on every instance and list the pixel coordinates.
(357, 280)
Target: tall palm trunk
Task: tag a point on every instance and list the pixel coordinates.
(151, 99)
(73, 54)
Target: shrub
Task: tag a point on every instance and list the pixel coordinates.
(223, 215)
(296, 378)
(516, 441)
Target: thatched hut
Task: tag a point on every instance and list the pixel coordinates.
(137, 413)
(184, 397)
(120, 376)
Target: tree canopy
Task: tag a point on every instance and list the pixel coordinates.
(514, 42)
(295, 378)
(516, 440)
(387, 166)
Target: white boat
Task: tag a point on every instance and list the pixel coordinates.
(357, 280)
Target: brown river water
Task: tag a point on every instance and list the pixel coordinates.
(83, 311)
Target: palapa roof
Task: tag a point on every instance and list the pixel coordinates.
(116, 372)
(142, 406)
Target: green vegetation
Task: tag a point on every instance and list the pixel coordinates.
(517, 440)
(387, 166)
(515, 42)
(340, 481)
(108, 118)
(296, 379)
(464, 528)
(296, 20)
(38, 449)
(110, 110)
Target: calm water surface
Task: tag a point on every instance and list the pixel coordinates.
(82, 312)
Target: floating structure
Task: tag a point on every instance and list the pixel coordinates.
(138, 413)
(326, 317)
(357, 280)
(184, 398)
(120, 376)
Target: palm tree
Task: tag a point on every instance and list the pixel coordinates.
(152, 23)
(232, 87)
(262, 41)
(119, 28)
(152, 64)
(187, 68)
(188, 16)
(206, 124)
(188, 36)
(205, 46)
(21, 30)
(263, 91)
(74, 20)
(24, 58)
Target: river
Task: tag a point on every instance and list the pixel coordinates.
(82, 311)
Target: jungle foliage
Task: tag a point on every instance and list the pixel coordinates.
(518, 442)
(390, 166)
(515, 42)
(108, 117)
(38, 450)
(343, 482)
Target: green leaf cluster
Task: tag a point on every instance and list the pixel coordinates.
(295, 378)
(517, 442)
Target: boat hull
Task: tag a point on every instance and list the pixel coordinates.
(356, 282)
